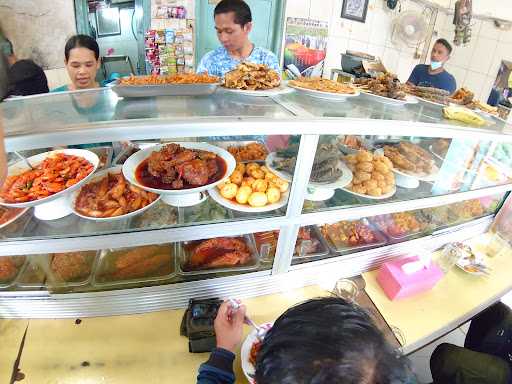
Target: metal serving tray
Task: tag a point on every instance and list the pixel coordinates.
(52, 282)
(183, 256)
(398, 239)
(9, 283)
(33, 276)
(324, 247)
(381, 240)
(102, 274)
(165, 90)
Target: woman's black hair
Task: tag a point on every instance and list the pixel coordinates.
(82, 41)
(240, 8)
(325, 341)
(446, 44)
(26, 78)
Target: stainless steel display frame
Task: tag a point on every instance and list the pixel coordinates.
(283, 275)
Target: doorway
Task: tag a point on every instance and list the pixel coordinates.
(268, 18)
(118, 26)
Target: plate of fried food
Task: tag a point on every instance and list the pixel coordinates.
(108, 196)
(410, 160)
(429, 95)
(8, 215)
(387, 89)
(180, 84)
(373, 176)
(249, 351)
(323, 88)
(245, 151)
(252, 188)
(179, 171)
(254, 80)
(53, 174)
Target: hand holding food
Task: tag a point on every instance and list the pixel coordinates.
(254, 185)
(56, 173)
(373, 174)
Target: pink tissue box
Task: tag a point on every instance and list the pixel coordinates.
(398, 285)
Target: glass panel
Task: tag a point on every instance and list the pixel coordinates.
(356, 170)
(367, 107)
(132, 267)
(47, 113)
(254, 192)
(345, 237)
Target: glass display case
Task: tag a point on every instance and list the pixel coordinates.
(302, 190)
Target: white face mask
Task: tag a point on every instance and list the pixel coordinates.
(436, 65)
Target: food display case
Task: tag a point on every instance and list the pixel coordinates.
(259, 195)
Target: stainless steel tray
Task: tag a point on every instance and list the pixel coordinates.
(324, 247)
(381, 240)
(398, 239)
(53, 283)
(33, 265)
(10, 283)
(165, 90)
(183, 258)
(102, 279)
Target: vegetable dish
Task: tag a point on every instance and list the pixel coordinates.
(323, 85)
(179, 78)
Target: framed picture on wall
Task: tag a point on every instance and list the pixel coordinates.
(355, 10)
(107, 21)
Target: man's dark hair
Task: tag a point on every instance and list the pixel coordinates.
(240, 8)
(446, 44)
(82, 41)
(26, 78)
(324, 341)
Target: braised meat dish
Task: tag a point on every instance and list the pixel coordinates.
(220, 252)
(175, 167)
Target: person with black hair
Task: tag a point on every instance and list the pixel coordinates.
(26, 78)
(435, 75)
(321, 341)
(233, 23)
(82, 61)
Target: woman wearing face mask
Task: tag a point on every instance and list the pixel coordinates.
(434, 75)
(82, 63)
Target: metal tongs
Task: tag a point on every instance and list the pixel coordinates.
(24, 159)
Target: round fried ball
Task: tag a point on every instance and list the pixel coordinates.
(363, 176)
(240, 167)
(250, 167)
(273, 195)
(365, 167)
(248, 181)
(281, 184)
(260, 185)
(363, 156)
(376, 192)
(258, 199)
(236, 177)
(257, 173)
(242, 196)
(229, 191)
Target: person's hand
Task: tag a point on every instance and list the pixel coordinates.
(229, 326)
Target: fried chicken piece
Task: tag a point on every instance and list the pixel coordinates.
(229, 259)
(209, 250)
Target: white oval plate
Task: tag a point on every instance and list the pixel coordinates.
(426, 101)
(341, 182)
(215, 195)
(114, 170)
(323, 94)
(386, 196)
(15, 217)
(21, 167)
(247, 367)
(432, 177)
(464, 262)
(280, 90)
(131, 164)
(387, 100)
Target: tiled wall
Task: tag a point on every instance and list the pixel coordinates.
(373, 37)
(474, 66)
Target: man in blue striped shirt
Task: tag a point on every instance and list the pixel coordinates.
(233, 23)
